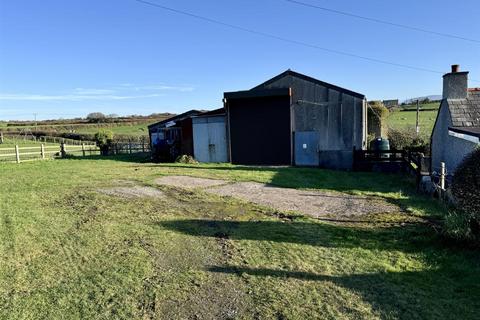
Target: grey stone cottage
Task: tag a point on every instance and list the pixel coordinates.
(457, 128)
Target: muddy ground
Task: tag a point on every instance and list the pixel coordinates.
(132, 191)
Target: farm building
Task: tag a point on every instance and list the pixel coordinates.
(172, 137)
(293, 119)
(457, 128)
(210, 136)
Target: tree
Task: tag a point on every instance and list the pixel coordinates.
(96, 117)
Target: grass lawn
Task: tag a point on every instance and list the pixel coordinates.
(69, 251)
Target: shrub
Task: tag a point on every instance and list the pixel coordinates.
(466, 190)
(104, 140)
(379, 109)
(407, 139)
(377, 115)
(186, 159)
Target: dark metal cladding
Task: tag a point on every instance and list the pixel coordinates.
(260, 128)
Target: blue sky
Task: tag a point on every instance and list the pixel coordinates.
(68, 58)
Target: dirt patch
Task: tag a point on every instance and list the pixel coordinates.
(189, 182)
(133, 192)
(313, 203)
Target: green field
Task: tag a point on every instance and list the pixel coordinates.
(131, 130)
(69, 251)
(123, 128)
(407, 119)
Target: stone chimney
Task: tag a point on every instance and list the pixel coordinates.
(455, 84)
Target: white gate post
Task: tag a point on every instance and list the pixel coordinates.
(442, 175)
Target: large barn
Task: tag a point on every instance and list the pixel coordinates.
(293, 119)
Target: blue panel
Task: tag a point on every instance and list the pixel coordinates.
(306, 148)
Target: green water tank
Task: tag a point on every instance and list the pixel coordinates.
(379, 144)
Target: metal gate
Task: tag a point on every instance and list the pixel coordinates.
(306, 148)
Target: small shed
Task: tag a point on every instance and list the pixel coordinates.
(172, 137)
(293, 119)
(456, 132)
(210, 136)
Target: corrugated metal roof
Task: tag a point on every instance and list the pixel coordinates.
(179, 117)
(310, 79)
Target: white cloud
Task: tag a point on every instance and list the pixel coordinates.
(162, 87)
(72, 97)
(123, 91)
(87, 91)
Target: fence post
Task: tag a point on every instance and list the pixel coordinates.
(1, 137)
(17, 153)
(83, 149)
(42, 151)
(63, 150)
(130, 147)
(442, 175)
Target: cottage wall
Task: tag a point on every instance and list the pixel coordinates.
(447, 148)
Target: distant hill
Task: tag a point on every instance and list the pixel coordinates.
(433, 97)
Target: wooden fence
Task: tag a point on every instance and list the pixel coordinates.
(42, 151)
(31, 153)
(392, 161)
(129, 147)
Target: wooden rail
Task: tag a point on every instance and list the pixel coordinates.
(392, 161)
(21, 154)
(29, 153)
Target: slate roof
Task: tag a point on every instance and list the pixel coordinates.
(465, 113)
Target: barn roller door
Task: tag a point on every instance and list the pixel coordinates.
(260, 129)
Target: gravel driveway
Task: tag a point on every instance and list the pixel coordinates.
(313, 203)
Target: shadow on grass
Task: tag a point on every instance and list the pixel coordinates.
(450, 280)
(405, 238)
(312, 178)
(133, 158)
(431, 294)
